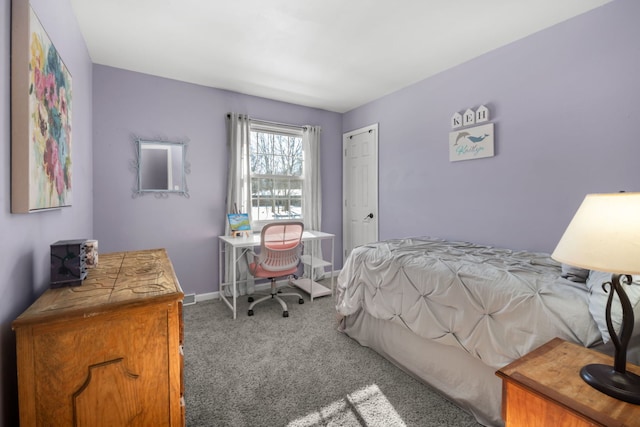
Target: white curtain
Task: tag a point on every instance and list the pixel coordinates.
(238, 195)
(312, 202)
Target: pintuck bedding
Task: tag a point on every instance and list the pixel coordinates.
(452, 313)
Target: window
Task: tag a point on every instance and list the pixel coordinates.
(277, 165)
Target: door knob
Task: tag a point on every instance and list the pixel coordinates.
(369, 216)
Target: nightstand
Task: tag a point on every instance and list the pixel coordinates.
(544, 388)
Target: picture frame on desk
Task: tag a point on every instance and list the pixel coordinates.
(240, 224)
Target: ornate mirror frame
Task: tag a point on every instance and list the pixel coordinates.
(161, 168)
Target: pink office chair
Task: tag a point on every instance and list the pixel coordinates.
(280, 250)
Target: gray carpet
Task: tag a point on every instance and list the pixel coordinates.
(299, 371)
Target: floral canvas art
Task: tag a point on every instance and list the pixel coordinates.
(50, 107)
(41, 158)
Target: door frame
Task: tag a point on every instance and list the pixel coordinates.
(346, 229)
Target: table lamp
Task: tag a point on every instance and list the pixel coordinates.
(604, 235)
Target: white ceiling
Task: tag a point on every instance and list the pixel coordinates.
(330, 54)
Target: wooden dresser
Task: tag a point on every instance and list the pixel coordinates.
(108, 352)
(544, 388)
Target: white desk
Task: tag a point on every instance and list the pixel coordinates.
(243, 243)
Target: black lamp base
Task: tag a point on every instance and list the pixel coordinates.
(622, 386)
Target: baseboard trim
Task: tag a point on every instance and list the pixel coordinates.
(335, 274)
(207, 296)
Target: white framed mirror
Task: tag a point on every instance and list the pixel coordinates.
(161, 168)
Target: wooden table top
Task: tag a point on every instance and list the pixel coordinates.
(120, 278)
(553, 371)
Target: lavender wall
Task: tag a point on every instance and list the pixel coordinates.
(128, 104)
(565, 106)
(25, 238)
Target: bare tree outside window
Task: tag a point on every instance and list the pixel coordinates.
(276, 175)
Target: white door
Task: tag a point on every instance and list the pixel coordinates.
(360, 188)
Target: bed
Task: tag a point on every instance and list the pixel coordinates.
(452, 313)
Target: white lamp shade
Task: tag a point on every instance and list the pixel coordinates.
(604, 234)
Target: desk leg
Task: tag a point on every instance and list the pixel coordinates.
(230, 302)
(234, 283)
(311, 272)
(332, 263)
(220, 261)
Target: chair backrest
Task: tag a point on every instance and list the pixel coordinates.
(280, 245)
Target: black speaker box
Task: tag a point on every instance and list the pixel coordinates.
(68, 263)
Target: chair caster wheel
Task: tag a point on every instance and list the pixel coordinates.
(300, 301)
(250, 299)
(285, 314)
(250, 313)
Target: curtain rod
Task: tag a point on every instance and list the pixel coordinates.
(267, 122)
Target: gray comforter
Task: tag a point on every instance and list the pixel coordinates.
(495, 304)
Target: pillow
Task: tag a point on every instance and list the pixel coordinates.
(598, 301)
(575, 274)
